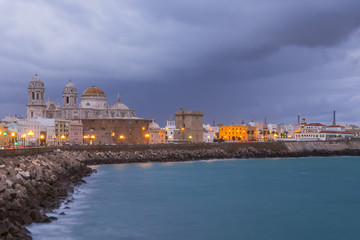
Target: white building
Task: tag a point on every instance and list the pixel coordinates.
(170, 129)
(210, 133)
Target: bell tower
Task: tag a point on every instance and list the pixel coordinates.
(36, 94)
(70, 96)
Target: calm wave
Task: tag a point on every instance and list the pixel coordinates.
(299, 198)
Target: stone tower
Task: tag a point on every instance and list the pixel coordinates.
(36, 94)
(70, 96)
(190, 125)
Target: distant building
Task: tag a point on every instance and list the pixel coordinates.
(93, 104)
(171, 130)
(190, 125)
(237, 133)
(76, 132)
(210, 133)
(102, 124)
(4, 135)
(318, 131)
(115, 131)
(156, 134)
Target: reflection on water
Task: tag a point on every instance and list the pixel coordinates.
(144, 165)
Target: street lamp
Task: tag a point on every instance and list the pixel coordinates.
(92, 137)
(30, 134)
(121, 137)
(23, 136)
(63, 138)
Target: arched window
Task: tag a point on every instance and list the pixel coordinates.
(67, 99)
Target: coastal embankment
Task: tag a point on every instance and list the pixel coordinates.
(35, 180)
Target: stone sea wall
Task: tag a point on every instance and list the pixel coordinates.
(30, 186)
(33, 181)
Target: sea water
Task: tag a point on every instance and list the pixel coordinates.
(272, 199)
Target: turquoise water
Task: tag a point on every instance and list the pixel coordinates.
(297, 198)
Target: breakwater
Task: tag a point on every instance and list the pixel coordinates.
(35, 180)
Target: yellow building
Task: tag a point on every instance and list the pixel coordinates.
(237, 133)
(61, 131)
(5, 137)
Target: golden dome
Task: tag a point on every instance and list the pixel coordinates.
(93, 91)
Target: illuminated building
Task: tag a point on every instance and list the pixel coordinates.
(237, 133)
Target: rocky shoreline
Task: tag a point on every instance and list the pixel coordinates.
(110, 157)
(32, 186)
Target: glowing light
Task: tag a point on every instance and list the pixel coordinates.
(112, 134)
(13, 134)
(121, 137)
(143, 128)
(92, 137)
(42, 136)
(190, 137)
(182, 129)
(23, 136)
(170, 137)
(208, 137)
(30, 133)
(86, 136)
(62, 137)
(147, 135)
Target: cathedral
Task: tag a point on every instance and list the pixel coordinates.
(93, 104)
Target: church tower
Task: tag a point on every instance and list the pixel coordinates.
(70, 96)
(36, 94)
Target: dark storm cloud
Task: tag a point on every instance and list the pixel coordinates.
(234, 60)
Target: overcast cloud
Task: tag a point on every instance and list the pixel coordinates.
(233, 60)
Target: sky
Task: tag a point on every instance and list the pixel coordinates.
(234, 60)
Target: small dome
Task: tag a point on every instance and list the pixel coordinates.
(118, 104)
(94, 92)
(70, 88)
(36, 79)
(36, 82)
(154, 126)
(70, 85)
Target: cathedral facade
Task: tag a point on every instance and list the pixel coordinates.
(93, 104)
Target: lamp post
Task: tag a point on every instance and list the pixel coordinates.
(13, 138)
(147, 136)
(23, 136)
(92, 138)
(62, 139)
(121, 137)
(30, 134)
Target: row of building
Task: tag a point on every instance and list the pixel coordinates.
(94, 121)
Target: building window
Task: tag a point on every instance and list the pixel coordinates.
(37, 96)
(33, 95)
(67, 99)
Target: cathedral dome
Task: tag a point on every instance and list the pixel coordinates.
(154, 126)
(118, 105)
(93, 92)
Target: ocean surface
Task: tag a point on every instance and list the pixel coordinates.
(272, 199)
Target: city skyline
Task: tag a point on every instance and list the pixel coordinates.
(237, 61)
